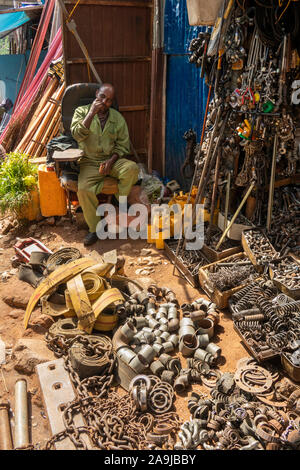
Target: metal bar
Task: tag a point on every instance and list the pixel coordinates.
(5, 431)
(272, 183)
(235, 215)
(21, 414)
(58, 391)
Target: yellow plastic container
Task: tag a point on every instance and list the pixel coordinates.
(32, 209)
(53, 199)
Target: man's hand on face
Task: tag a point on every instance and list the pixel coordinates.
(105, 168)
(96, 106)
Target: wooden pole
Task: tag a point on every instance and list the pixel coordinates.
(235, 216)
(271, 187)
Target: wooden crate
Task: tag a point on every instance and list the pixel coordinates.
(191, 278)
(292, 370)
(218, 297)
(250, 349)
(250, 253)
(294, 293)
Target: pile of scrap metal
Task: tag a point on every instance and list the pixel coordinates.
(254, 408)
(247, 163)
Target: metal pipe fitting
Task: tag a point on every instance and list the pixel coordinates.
(157, 333)
(21, 414)
(158, 348)
(214, 316)
(172, 315)
(5, 431)
(164, 359)
(128, 330)
(206, 326)
(172, 311)
(168, 376)
(149, 337)
(139, 322)
(137, 365)
(163, 321)
(186, 322)
(119, 340)
(173, 325)
(147, 329)
(157, 367)
(188, 345)
(163, 328)
(200, 354)
(165, 336)
(203, 340)
(143, 297)
(181, 383)
(162, 310)
(214, 350)
(146, 354)
(186, 330)
(126, 354)
(174, 339)
(159, 315)
(168, 346)
(197, 315)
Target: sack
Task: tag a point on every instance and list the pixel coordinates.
(202, 12)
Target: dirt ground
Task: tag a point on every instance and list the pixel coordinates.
(11, 318)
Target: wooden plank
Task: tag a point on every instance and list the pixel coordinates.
(103, 60)
(111, 3)
(138, 107)
(26, 9)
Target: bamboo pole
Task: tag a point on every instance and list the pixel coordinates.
(45, 121)
(39, 113)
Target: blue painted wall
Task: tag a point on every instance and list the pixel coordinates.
(186, 91)
(12, 70)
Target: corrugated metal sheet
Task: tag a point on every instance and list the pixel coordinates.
(186, 91)
(117, 35)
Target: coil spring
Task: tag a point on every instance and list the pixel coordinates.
(219, 396)
(241, 293)
(277, 342)
(251, 325)
(293, 307)
(265, 306)
(248, 299)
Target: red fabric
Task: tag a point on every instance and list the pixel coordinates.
(36, 48)
(54, 52)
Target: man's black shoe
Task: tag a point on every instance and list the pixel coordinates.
(90, 239)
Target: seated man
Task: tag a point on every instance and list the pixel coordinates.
(102, 133)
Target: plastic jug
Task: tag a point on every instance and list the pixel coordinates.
(53, 199)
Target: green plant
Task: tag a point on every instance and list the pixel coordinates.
(17, 178)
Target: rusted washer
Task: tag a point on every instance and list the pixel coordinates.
(242, 383)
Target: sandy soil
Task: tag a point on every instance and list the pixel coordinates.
(11, 319)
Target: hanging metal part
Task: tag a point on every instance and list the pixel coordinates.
(272, 184)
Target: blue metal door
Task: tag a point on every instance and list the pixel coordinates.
(186, 92)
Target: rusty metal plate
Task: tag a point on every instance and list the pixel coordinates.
(57, 391)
